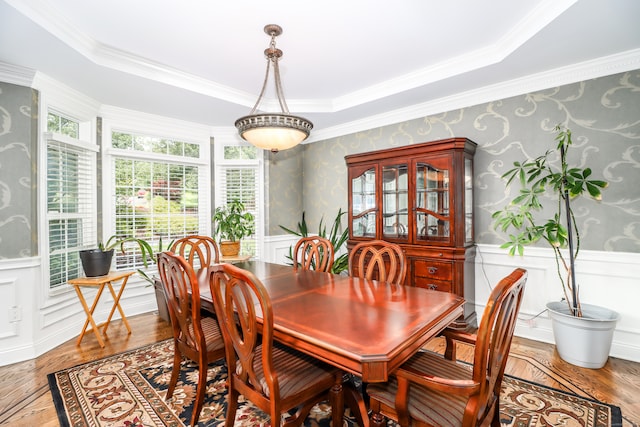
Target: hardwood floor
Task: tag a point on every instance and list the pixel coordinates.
(26, 399)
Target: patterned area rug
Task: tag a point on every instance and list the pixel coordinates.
(129, 390)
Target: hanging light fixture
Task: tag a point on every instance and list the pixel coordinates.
(273, 131)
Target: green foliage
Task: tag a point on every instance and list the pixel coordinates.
(232, 222)
(538, 177)
(146, 250)
(114, 241)
(338, 239)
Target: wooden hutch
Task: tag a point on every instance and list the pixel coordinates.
(421, 197)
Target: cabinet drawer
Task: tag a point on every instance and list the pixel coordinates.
(433, 269)
(435, 285)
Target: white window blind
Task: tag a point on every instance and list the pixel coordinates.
(71, 185)
(241, 183)
(238, 177)
(156, 200)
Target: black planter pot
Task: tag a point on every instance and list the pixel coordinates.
(96, 262)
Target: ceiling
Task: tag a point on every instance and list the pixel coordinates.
(346, 64)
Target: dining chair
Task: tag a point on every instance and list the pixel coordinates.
(274, 377)
(313, 253)
(198, 251)
(194, 337)
(378, 260)
(434, 390)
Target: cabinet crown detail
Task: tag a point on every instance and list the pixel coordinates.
(421, 197)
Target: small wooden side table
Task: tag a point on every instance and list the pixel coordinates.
(100, 282)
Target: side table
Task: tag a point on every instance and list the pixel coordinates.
(100, 282)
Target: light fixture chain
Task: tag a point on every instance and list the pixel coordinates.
(264, 86)
(279, 93)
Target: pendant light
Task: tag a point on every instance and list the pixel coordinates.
(273, 131)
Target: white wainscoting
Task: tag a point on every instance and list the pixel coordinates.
(32, 325)
(608, 279)
(276, 248)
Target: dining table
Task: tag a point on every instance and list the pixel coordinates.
(364, 327)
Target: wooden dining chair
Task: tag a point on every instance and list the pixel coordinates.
(432, 390)
(275, 378)
(378, 260)
(195, 337)
(313, 253)
(198, 251)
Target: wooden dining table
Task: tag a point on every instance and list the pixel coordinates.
(364, 327)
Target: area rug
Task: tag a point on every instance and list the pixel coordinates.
(129, 390)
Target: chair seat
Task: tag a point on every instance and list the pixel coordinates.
(212, 334)
(297, 372)
(426, 405)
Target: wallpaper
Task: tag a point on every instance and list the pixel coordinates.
(17, 171)
(603, 115)
(285, 177)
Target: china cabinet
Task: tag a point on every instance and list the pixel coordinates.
(421, 197)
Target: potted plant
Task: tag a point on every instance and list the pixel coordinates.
(232, 224)
(590, 343)
(97, 262)
(341, 263)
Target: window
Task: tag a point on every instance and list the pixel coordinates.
(71, 183)
(238, 171)
(158, 188)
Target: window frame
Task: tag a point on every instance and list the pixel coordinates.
(64, 101)
(142, 124)
(226, 138)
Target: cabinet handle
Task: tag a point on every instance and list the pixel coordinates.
(440, 254)
(433, 287)
(433, 270)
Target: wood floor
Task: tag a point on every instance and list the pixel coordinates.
(25, 399)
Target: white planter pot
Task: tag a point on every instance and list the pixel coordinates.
(583, 341)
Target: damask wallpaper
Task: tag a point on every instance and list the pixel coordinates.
(18, 216)
(285, 176)
(603, 114)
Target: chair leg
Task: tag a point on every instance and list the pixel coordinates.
(495, 420)
(175, 371)
(201, 391)
(377, 420)
(232, 406)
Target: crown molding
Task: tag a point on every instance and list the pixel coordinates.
(609, 65)
(53, 21)
(16, 75)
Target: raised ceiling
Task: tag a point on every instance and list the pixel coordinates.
(346, 65)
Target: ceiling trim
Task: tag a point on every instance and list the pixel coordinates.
(49, 18)
(619, 63)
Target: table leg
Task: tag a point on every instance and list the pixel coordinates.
(116, 304)
(89, 312)
(336, 396)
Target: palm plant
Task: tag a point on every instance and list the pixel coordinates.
(538, 177)
(335, 236)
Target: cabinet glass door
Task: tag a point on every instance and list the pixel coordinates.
(468, 200)
(395, 201)
(363, 191)
(433, 221)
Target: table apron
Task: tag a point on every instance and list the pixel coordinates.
(374, 369)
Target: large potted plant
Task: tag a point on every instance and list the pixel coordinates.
(232, 224)
(337, 238)
(582, 332)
